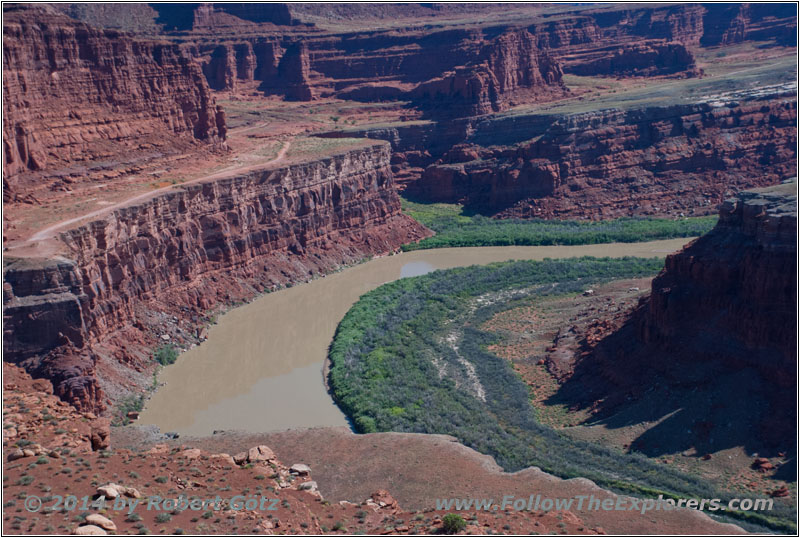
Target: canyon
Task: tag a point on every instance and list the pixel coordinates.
(676, 160)
(182, 253)
(724, 304)
(73, 94)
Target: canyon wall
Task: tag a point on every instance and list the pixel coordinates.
(507, 55)
(184, 252)
(732, 293)
(74, 93)
(609, 163)
(419, 63)
(721, 317)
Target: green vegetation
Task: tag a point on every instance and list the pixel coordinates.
(166, 355)
(409, 357)
(126, 405)
(453, 524)
(454, 228)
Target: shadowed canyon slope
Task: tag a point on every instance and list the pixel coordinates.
(721, 317)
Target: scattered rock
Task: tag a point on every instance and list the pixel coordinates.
(112, 491)
(16, 455)
(191, 453)
(762, 465)
(222, 458)
(101, 521)
(89, 530)
(383, 499)
(300, 469)
(260, 453)
(109, 491)
(782, 491)
(310, 486)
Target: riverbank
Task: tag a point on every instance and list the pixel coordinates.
(290, 329)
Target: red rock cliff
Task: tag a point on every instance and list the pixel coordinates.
(661, 160)
(74, 93)
(203, 245)
(721, 317)
(733, 292)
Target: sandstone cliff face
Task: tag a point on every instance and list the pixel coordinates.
(721, 316)
(451, 59)
(668, 160)
(642, 59)
(186, 251)
(740, 280)
(508, 70)
(73, 93)
(726, 24)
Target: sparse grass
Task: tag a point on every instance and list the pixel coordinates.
(303, 148)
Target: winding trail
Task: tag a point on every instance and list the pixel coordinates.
(50, 231)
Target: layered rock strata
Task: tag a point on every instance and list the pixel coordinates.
(74, 93)
(656, 160)
(721, 315)
(740, 279)
(187, 251)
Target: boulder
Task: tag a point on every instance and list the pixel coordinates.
(100, 433)
(191, 453)
(300, 469)
(259, 454)
(89, 530)
(222, 458)
(16, 454)
(101, 521)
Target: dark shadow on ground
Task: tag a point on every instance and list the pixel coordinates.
(701, 405)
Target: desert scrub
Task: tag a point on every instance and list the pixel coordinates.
(453, 524)
(130, 403)
(415, 345)
(455, 228)
(165, 355)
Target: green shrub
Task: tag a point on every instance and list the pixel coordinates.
(166, 355)
(455, 229)
(453, 524)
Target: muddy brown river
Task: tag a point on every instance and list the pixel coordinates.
(261, 368)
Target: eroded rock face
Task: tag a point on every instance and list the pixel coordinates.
(740, 280)
(660, 160)
(722, 316)
(507, 70)
(186, 251)
(73, 93)
(643, 59)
